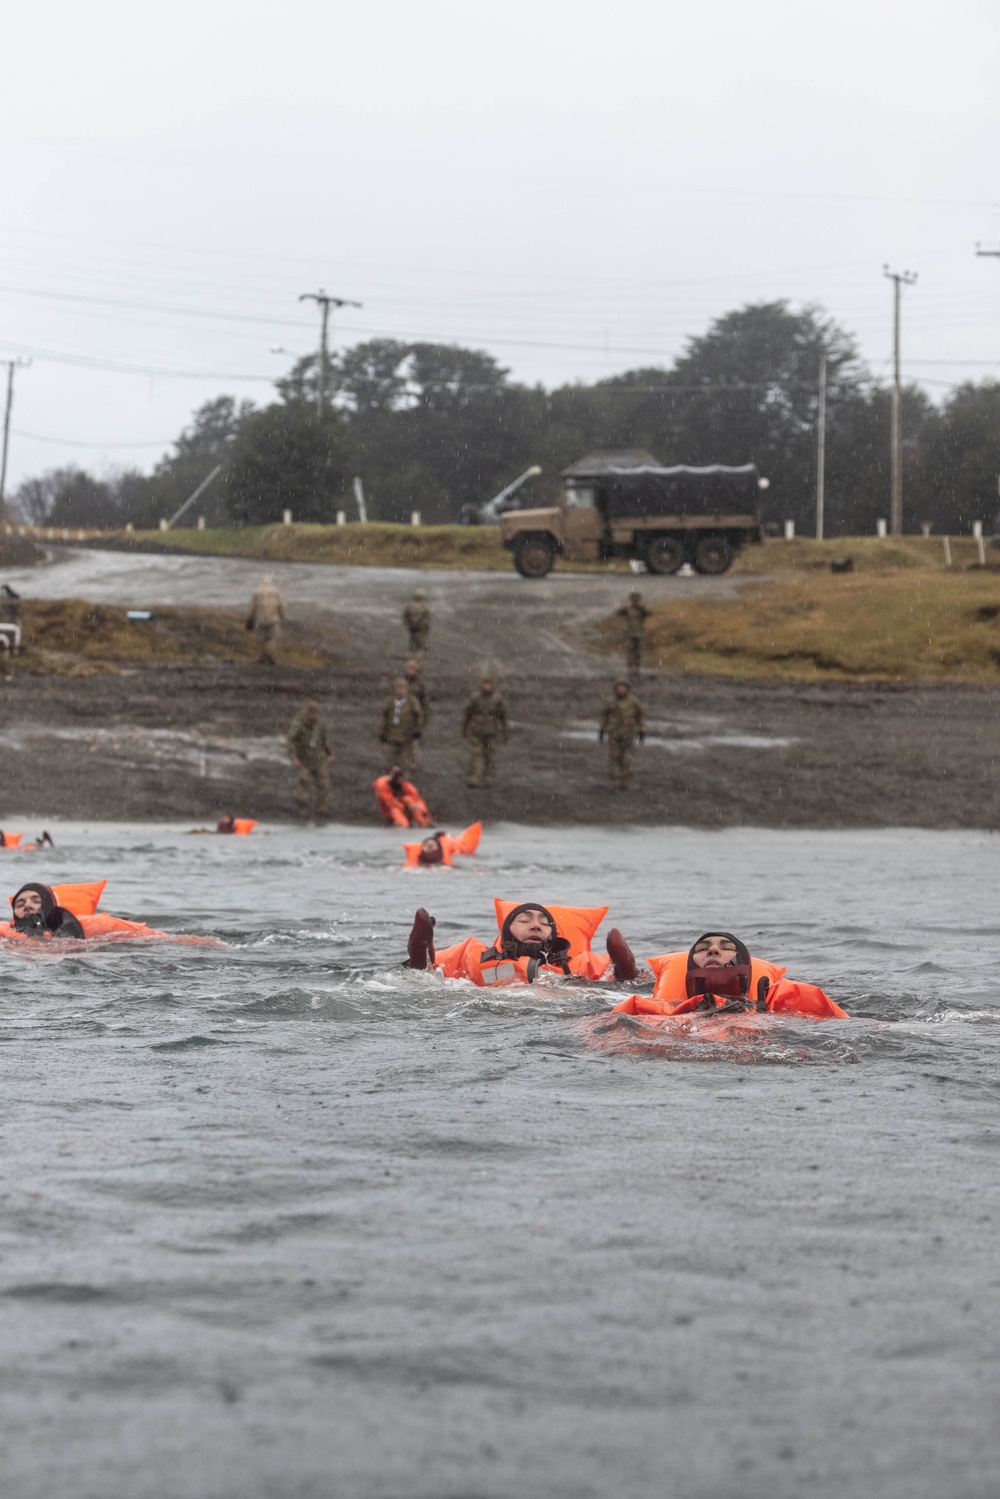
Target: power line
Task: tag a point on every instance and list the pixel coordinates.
(76, 442)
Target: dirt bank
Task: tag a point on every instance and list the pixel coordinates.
(186, 739)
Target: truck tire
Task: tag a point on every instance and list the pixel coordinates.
(534, 555)
(714, 554)
(664, 554)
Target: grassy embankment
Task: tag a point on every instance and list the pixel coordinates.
(910, 624)
(71, 637)
(901, 615)
(377, 545)
(478, 548)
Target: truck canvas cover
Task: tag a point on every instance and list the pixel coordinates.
(633, 483)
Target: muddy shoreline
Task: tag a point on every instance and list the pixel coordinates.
(176, 741)
(180, 741)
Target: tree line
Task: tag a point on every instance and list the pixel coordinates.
(436, 428)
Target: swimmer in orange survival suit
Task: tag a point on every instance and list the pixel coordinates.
(532, 940)
(36, 914)
(44, 912)
(718, 974)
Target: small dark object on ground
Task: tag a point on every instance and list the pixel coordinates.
(841, 564)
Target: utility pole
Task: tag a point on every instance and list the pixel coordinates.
(12, 365)
(821, 449)
(899, 279)
(325, 303)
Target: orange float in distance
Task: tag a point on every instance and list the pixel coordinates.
(464, 843)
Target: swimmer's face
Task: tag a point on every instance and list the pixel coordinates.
(531, 926)
(28, 903)
(714, 952)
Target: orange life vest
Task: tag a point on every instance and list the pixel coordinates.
(243, 825)
(577, 924)
(405, 811)
(81, 901)
(465, 842)
(782, 996)
(10, 840)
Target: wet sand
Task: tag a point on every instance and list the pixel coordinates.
(196, 740)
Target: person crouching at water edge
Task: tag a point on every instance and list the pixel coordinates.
(718, 974)
(44, 912)
(399, 801)
(532, 940)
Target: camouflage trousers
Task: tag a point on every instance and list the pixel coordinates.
(313, 779)
(268, 637)
(620, 762)
(403, 754)
(481, 762)
(633, 652)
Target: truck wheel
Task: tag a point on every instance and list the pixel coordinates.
(664, 554)
(534, 556)
(713, 555)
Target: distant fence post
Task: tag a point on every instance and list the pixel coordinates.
(341, 517)
(880, 529)
(201, 523)
(925, 528)
(789, 530)
(164, 523)
(286, 517)
(414, 517)
(977, 531)
(947, 550)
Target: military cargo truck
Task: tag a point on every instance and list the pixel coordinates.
(629, 505)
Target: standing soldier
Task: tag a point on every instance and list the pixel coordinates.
(267, 610)
(400, 726)
(417, 619)
(483, 723)
(418, 687)
(622, 722)
(635, 614)
(309, 748)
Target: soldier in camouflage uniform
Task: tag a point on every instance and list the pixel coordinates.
(635, 614)
(267, 611)
(309, 748)
(418, 687)
(484, 721)
(622, 723)
(400, 726)
(417, 619)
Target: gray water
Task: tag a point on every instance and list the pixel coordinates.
(283, 1219)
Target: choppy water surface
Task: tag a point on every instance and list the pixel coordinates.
(285, 1219)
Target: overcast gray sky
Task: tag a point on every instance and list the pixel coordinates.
(576, 188)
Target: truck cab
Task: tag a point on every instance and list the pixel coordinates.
(629, 505)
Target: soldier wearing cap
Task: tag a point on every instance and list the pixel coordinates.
(635, 614)
(400, 726)
(622, 724)
(484, 721)
(267, 610)
(417, 619)
(309, 749)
